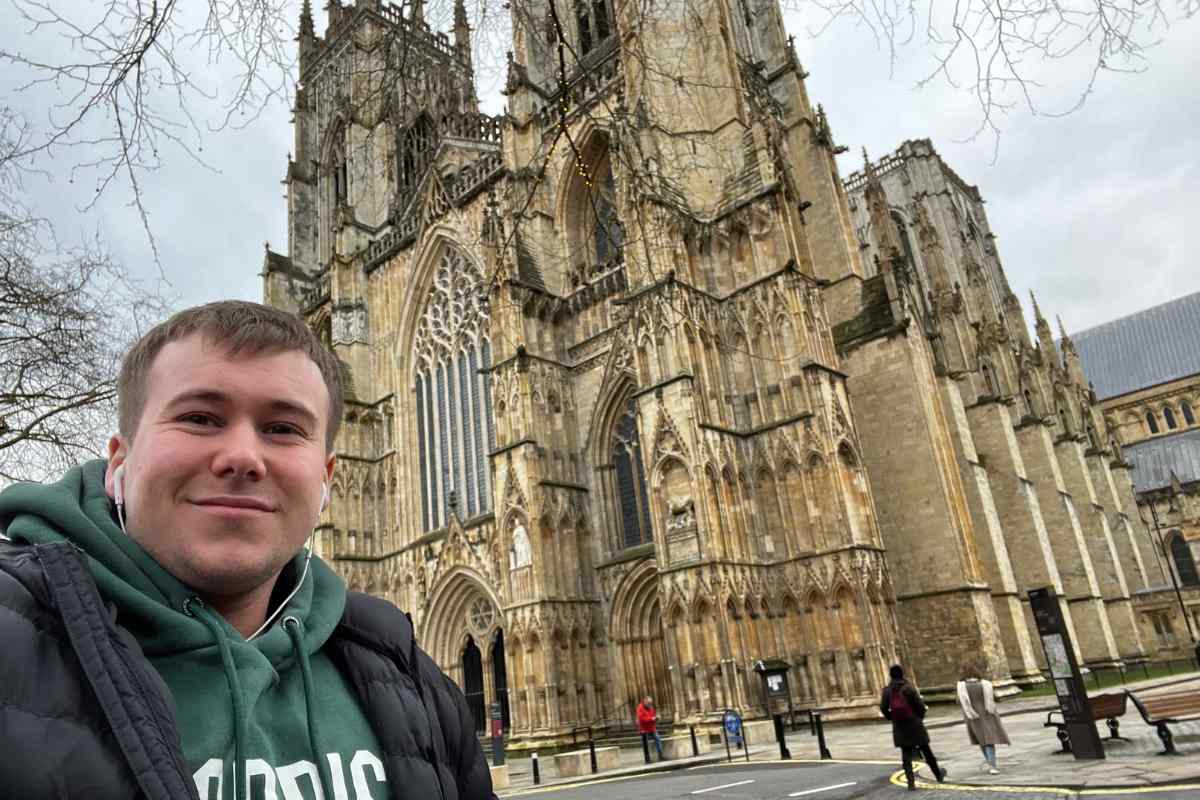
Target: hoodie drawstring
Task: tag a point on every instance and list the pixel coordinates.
(194, 607)
(292, 626)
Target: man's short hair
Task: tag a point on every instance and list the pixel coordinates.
(240, 327)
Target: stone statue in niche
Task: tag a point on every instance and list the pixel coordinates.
(520, 555)
(682, 513)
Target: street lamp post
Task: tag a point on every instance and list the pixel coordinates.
(1162, 546)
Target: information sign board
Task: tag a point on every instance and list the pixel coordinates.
(1064, 671)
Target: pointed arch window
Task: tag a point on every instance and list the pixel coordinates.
(417, 144)
(991, 386)
(606, 228)
(1169, 418)
(1185, 562)
(905, 241)
(1151, 422)
(1186, 409)
(632, 498)
(594, 20)
(453, 394)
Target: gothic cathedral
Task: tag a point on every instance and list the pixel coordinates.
(640, 393)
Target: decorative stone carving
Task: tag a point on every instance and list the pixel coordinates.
(521, 554)
(349, 324)
(682, 513)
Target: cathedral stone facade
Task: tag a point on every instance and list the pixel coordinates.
(641, 394)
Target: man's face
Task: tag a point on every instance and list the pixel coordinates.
(222, 481)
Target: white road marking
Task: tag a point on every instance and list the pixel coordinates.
(822, 789)
(723, 786)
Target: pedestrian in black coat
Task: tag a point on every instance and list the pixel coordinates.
(902, 704)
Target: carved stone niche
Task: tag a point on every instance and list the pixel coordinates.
(679, 514)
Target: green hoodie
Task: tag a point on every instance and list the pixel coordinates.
(277, 704)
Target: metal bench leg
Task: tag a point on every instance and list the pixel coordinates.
(1168, 741)
(1114, 729)
(1064, 737)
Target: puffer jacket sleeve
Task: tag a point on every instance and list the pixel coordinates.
(470, 769)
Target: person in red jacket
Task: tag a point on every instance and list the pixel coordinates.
(648, 723)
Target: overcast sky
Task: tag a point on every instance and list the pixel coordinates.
(1096, 212)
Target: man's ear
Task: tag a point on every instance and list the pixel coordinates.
(118, 451)
(330, 463)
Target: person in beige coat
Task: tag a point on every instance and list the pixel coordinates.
(978, 702)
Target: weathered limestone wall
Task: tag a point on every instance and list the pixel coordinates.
(1110, 579)
(1080, 587)
(1025, 533)
(945, 608)
(990, 543)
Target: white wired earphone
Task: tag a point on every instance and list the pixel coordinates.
(119, 501)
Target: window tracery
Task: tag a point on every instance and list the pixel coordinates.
(594, 20)
(632, 498)
(454, 407)
(416, 151)
(1188, 417)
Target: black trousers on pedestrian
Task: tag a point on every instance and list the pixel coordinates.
(927, 754)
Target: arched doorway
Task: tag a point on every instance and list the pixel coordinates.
(500, 678)
(472, 671)
(637, 627)
(460, 631)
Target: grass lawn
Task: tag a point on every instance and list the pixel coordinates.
(1108, 678)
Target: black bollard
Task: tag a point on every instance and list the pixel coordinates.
(781, 737)
(592, 748)
(695, 747)
(821, 736)
(812, 724)
(537, 776)
(646, 747)
(728, 752)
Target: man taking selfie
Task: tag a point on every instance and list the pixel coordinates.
(167, 631)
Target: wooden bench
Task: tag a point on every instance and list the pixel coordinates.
(1168, 708)
(1104, 706)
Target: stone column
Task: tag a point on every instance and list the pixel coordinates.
(1075, 567)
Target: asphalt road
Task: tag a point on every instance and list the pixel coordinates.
(807, 781)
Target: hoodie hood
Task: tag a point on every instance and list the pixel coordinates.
(151, 602)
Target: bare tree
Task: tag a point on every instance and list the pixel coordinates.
(66, 315)
(999, 50)
(128, 91)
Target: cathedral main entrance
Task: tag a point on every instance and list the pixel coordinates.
(463, 633)
(637, 632)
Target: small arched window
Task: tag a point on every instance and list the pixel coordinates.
(595, 24)
(416, 151)
(989, 380)
(1151, 422)
(1185, 562)
(1188, 417)
(1169, 418)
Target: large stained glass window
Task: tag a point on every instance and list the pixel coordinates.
(453, 397)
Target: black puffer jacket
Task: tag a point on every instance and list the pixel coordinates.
(909, 732)
(84, 714)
